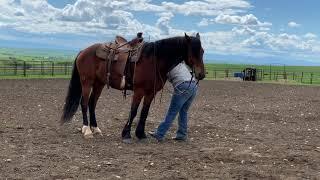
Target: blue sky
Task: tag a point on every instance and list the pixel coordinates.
(232, 31)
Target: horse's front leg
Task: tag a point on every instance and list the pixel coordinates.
(95, 94)
(86, 131)
(140, 131)
(126, 135)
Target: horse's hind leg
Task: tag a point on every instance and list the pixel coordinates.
(95, 94)
(84, 106)
(140, 130)
(126, 135)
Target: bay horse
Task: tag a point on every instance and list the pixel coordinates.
(156, 60)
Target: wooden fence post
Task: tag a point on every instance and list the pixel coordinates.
(301, 76)
(274, 75)
(285, 75)
(42, 72)
(215, 74)
(24, 68)
(227, 73)
(15, 68)
(311, 78)
(52, 69)
(293, 74)
(270, 73)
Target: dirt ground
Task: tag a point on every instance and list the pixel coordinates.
(237, 130)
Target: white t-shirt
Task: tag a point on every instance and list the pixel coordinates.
(179, 74)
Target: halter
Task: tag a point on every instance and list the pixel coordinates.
(193, 69)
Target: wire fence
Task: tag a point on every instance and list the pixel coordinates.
(64, 68)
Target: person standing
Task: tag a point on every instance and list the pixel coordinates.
(185, 90)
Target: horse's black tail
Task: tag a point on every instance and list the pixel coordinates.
(73, 96)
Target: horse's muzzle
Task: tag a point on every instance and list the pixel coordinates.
(200, 76)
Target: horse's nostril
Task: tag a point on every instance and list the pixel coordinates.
(202, 76)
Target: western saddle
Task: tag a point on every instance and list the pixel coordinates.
(119, 55)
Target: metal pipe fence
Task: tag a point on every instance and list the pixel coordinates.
(34, 68)
(64, 68)
(267, 75)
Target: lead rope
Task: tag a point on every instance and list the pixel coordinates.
(155, 73)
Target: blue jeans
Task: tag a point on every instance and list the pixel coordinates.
(180, 102)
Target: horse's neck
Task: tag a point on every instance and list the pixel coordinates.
(165, 67)
(170, 57)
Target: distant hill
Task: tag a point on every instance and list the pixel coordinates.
(36, 54)
(237, 59)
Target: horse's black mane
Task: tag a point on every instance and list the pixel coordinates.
(172, 50)
(170, 47)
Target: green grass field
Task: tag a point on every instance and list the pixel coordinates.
(36, 77)
(286, 74)
(314, 69)
(41, 63)
(36, 54)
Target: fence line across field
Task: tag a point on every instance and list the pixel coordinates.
(29, 68)
(56, 68)
(267, 75)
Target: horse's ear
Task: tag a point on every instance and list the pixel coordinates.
(198, 36)
(187, 37)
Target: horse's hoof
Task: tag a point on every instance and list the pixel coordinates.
(144, 140)
(84, 129)
(126, 134)
(96, 130)
(127, 141)
(88, 136)
(141, 136)
(87, 133)
(79, 129)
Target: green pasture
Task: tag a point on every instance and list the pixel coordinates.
(42, 63)
(36, 54)
(35, 77)
(268, 73)
(280, 68)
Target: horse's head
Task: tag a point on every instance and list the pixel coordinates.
(195, 56)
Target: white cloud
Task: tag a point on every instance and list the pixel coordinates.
(244, 31)
(248, 35)
(247, 20)
(106, 16)
(293, 24)
(208, 7)
(204, 22)
(253, 42)
(264, 29)
(163, 22)
(310, 36)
